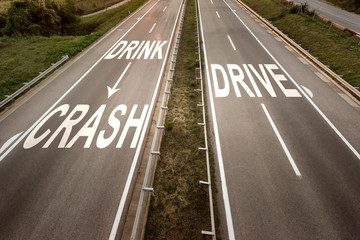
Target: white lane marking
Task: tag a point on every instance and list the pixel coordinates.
(217, 14)
(73, 86)
(211, 2)
(322, 77)
(303, 60)
(289, 48)
(286, 150)
(348, 100)
(302, 91)
(308, 91)
(278, 39)
(232, 44)
(134, 163)
(113, 90)
(164, 9)
(228, 216)
(152, 28)
(9, 142)
(269, 31)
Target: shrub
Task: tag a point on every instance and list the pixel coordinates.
(31, 17)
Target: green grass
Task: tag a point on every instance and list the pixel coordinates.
(333, 47)
(21, 59)
(180, 207)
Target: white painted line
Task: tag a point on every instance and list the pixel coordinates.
(137, 153)
(152, 28)
(302, 91)
(231, 43)
(269, 31)
(308, 91)
(164, 9)
(217, 14)
(113, 90)
(278, 39)
(286, 150)
(211, 2)
(289, 48)
(9, 142)
(73, 86)
(322, 77)
(348, 100)
(229, 222)
(303, 60)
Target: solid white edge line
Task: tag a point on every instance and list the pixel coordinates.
(71, 88)
(217, 14)
(229, 221)
(134, 163)
(152, 28)
(232, 44)
(286, 150)
(301, 90)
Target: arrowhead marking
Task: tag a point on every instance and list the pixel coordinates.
(111, 91)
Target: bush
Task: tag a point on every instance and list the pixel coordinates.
(294, 9)
(31, 17)
(169, 125)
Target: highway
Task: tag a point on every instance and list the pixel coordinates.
(334, 14)
(70, 148)
(286, 138)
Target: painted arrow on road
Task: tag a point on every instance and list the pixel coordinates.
(113, 90)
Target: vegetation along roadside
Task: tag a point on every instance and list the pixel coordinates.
(37, 33)
(180, 207)
(334, 47)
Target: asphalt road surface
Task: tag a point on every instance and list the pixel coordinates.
(70, 148)
(335, 14)
(286, 138)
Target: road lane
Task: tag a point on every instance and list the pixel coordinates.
(261, 195)
(69, 177)
(347, 19)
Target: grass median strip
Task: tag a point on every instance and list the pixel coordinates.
(334, 47)
(22, 58)
(180, 207)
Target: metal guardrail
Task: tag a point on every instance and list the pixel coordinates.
(341, 82)
(199, 78)
(155, 152)
(29, 84)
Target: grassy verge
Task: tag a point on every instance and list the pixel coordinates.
(21, 59)
(180, 207)
(334, 47)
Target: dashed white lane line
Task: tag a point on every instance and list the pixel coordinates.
(232, 44)
(348, 100)
(75, 84)
(286, 150)
(289, 48)
(217, 14)
(152, 28)
(322, 77)
(303, 60)
(278, 39)
(348, 144)
(211, 2)
(269, 31)
(164, 9)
